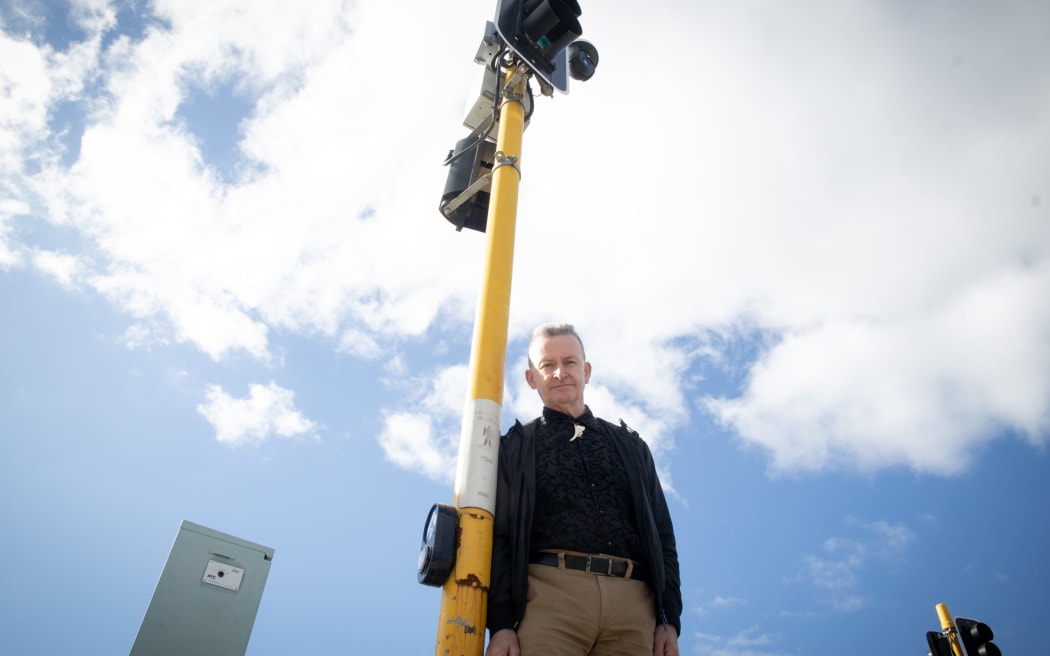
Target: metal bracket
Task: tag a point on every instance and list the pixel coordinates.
(521, 72)
(469, 192)
(506, 160)
(481, 182)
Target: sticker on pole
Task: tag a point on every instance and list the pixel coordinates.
(223, 576)
(478, 453)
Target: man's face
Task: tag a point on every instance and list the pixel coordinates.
(558, 372)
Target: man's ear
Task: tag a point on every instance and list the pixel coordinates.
(529, 378)
(586, 372)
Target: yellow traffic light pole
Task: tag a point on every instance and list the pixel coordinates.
(464, 597)
(948, 628)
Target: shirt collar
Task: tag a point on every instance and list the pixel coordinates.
(554, 417)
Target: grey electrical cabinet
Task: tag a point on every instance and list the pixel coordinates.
(207, 597)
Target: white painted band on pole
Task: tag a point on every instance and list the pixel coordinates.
(478, 455)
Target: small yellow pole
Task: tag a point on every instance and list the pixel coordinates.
(464, 597)
(948, 627)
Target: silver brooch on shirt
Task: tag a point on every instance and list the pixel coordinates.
(577, 432)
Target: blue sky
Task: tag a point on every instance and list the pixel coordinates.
(808, 247)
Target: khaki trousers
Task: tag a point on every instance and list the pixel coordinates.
(573, 613)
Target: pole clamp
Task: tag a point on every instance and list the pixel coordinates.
(503, 159)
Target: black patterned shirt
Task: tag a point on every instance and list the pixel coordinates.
(583, 502)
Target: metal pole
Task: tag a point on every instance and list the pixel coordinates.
(948, 627)
(464, 597)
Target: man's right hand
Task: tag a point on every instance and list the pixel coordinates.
(503, 643)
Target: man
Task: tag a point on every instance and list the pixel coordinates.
(584, 561)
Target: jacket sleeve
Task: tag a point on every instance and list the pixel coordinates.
(671, 599)
(672, 595)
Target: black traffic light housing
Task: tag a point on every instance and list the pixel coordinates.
(538, 31)
(976, 637)
(939, 645)
(470, 164)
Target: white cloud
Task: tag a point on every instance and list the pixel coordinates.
(26, 90)
(837, 572)
(891, 539)
(875, 213)
(294, 245)
(269, 410)
(63, 267)
(426, 438)
(905, 390)
(409, 441)
(718, 603)
(360, 344)
(34, 79)
(9, 209)
(726, 602)
(145, 336)
(747, 642)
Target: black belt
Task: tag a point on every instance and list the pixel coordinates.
(592, 564)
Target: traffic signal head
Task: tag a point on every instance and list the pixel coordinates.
(552, 24)
(939, 645)
(465, 201)
(976, 637)
(539, 31)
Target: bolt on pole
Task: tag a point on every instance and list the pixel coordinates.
(464, 597)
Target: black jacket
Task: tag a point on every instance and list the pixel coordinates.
(516, 499)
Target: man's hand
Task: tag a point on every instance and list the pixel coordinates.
(665, 641)
(505, 643)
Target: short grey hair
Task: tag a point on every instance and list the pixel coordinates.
(555, 330)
